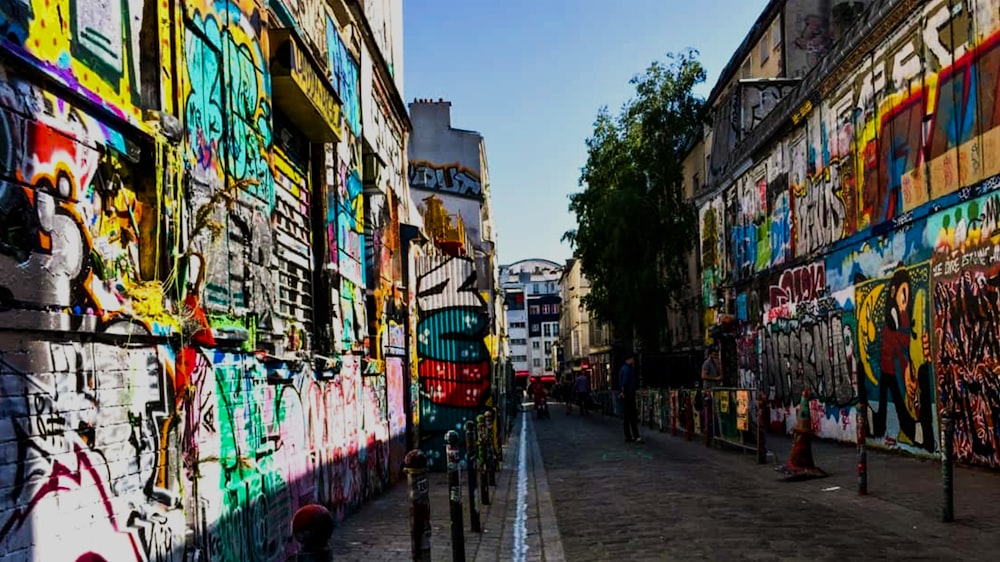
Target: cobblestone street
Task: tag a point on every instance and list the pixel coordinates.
(671, 499)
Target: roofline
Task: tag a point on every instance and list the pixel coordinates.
(512, 264)
(756, 31)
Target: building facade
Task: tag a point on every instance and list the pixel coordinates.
(461, 324)
(574, 321)
(848, 239)
(204, 312)
(534, 329)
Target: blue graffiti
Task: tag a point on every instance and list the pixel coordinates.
(454, 335)
(345, 77)
(744, 242)
(781, 231)
(216, 60)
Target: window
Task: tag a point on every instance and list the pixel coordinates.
(534, 345)
(548, 364)
(548, 347)
(533, 310)
(764, 48)
(555, 329)
(518, 341)
(547, 329)
(535, 330)
(517, 325)
(537, 362)
(776, 33)
(519, 358)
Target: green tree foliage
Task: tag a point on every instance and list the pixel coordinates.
(634, 225)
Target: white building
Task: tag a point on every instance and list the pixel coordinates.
(533, 309)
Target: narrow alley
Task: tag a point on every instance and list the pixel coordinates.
(595, 498)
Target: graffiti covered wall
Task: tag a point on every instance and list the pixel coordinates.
(159, 394)
(876, 276)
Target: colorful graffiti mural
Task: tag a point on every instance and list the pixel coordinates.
(886, 285)
(454, 359)
(159, 392)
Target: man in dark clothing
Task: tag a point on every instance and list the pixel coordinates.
(629, 384)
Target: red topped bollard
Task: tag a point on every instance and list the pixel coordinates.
(312, 527)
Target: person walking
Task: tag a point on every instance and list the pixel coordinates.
(629, 384)
(581, 391)
(711, 377)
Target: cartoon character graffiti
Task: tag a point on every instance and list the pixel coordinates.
(895, 350)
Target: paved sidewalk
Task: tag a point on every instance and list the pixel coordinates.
(671, 499)
(380, 530)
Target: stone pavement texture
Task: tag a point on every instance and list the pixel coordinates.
(380, 530)
(671, 499)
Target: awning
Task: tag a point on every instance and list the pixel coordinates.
(300, 90)
(549, 378)
(522, 374)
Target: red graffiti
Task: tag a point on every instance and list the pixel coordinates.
(64, 479)
(455, 384)
(801, 284)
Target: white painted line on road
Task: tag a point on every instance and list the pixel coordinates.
(520, 521)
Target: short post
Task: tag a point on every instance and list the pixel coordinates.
(484, 468)
(455, 496)
(415, 466)
(688, 416)
(491, 457)
(761, 429)
(948, 467)
(312, 527)
(706, 413)
(470, 464)
(497, 441)
(674, 411)
(862, 449)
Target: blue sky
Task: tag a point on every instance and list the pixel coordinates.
(530, 76)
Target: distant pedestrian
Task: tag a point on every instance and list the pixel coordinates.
(711, 369)
(581, 391)
(629, 384)
(711, 377)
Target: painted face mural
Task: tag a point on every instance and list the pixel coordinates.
(454, 366)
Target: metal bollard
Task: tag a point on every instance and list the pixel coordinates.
(761, 429)
(470, 464)
(455, 496)
(948, 467)
(312, 527)
(415, 464)
(484, 469)
(675, 412)
(707, 413)
(689, 417)
(497, 439)
(491, 457)
(862, 449)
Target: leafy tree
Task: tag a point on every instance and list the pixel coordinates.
(634, 225)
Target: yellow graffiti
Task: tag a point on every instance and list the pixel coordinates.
(95, 45)
(439, 224)
(872, 301)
